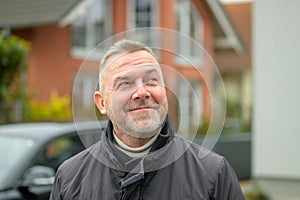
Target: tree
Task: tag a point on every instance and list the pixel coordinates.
(13, 59)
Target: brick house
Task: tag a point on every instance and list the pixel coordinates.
(63, 32)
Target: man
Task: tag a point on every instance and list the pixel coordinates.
(139, 156)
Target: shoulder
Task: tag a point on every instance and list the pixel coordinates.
(76, 165)
(218, 172)
(65, 174)
(74, 172)
(205, 160)
(199, 152)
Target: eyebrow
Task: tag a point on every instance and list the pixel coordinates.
(151, 71)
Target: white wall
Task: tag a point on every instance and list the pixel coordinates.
(276, 51)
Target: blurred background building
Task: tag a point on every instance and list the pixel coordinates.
(236, 68)
(62, 33)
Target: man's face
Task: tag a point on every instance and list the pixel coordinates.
(134, 96)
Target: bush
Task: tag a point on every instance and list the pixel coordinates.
(255, 193)
(13, 61)
(13, 58)
(203, 128)
(57, 109)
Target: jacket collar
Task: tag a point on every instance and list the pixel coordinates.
(119, 160)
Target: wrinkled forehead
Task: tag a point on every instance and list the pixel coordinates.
(128, 61)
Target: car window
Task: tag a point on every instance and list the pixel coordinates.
(12, 151)
(58, 150)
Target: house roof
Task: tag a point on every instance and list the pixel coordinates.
(20, 13)
(241, 16)
(225, 34)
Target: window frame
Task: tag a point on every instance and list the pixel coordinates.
(131, 14)
(190, 97)
(131, 23)
(187, 58)
(82, 52)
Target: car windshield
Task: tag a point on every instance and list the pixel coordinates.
(12, 149)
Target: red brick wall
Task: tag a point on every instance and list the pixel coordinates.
(51, 69)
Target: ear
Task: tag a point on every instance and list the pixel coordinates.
(99, 101)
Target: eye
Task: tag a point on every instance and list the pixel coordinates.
(124, 85)
(152, 81)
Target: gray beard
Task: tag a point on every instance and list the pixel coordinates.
(130, 127)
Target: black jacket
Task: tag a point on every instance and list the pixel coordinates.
(174, 169)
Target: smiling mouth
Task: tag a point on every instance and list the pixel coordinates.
(141, 109)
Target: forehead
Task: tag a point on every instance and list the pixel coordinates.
(127, 61)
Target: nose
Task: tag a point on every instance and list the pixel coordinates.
(141, 93)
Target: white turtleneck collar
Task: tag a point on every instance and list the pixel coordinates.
(134, 152)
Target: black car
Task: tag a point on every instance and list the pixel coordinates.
(30, 154)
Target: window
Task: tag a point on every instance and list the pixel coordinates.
(85, 85)
(85, 89)
(92, 27)
(62, 148)
(142, 13)
(189, 22)
(59, 150)
(12, 150)
(190, 101)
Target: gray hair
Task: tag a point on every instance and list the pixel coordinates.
(122, 46)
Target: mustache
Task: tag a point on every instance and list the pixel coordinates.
(141, 104)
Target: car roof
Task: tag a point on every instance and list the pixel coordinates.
(48, 130)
